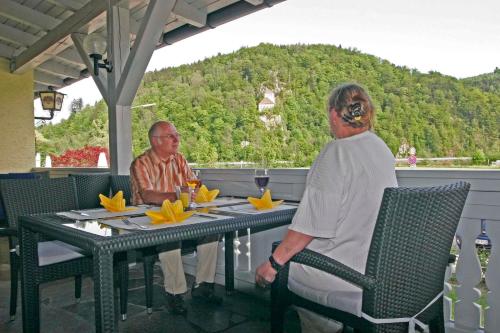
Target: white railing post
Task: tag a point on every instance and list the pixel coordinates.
(467, 313)
(492, 312)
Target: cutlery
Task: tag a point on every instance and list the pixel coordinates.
(79, 212)
(207, 216)
(128, 222)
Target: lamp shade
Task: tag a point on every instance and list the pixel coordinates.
(94, 44)
(51, 100)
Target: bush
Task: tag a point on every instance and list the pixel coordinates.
(478, 157)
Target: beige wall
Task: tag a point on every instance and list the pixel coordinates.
(17, 135)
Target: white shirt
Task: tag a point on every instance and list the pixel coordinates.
(339, 208)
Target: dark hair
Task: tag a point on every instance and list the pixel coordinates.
(353, 105)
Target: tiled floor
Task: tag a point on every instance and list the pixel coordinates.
(240, 312)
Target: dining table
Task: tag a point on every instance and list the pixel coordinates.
(101, 235)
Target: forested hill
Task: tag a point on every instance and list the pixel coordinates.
(214, 104)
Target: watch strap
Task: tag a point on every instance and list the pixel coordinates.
(277, 267)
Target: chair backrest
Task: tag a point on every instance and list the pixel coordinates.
(17, 175)
(121, 183)
(32, 196)
(410, 248)
(88, 188)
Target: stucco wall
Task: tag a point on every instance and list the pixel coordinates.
(17, 136)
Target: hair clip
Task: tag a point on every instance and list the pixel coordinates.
(356, 110)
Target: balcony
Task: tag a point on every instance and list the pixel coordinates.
(469, 283)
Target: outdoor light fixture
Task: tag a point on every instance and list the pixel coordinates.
(52, 101)
(95, 46)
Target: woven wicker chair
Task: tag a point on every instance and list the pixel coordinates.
(56, 259)
(122, 183)
(88, 188)
(406, 263)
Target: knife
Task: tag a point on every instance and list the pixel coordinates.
(79, 212)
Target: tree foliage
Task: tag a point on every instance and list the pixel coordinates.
(214, 105)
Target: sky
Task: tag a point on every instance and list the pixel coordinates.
(460, 38)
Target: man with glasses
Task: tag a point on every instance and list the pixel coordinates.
(154, 176)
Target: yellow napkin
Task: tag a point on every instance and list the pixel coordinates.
(204, 195)
(115, 204)
(265, 202)
(169, 213)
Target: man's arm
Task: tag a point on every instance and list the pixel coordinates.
(293, 243)
(157, 198)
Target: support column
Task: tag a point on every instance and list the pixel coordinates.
(129, 65)
(119, 116)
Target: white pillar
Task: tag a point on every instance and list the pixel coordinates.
(120, 119)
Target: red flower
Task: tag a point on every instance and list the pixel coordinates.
(83, 157)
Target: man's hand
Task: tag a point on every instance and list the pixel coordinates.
(265, 274)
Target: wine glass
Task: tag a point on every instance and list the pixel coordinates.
(261, 179)
(194, 182)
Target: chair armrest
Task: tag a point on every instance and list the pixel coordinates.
(332, 266)
(8, 232)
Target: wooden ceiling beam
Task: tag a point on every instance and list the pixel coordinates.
(49, 44)
(27, 15)
(58, 69)
(47, 79)
(16, 36)
(190, 14)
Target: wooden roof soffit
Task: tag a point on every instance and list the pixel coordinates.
(57, 38)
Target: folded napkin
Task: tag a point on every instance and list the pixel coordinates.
(265, 202)
(169, 213)
(204, 195)
(115, 204)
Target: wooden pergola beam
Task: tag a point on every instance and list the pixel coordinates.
(27, 15)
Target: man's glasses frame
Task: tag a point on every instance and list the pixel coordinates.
(168, 136)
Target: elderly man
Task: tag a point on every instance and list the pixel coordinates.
(154, 176)
(338, 210)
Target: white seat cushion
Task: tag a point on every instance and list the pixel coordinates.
(53, 252)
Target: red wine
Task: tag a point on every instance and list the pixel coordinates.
(261, 181)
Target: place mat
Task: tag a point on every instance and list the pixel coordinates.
(146, 222)
(222, 201)
(249, 209)
(102, 213)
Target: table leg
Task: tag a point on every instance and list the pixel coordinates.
(105, 320)
(28, 243)
(229, 261)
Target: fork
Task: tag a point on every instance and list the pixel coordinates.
(128, 222)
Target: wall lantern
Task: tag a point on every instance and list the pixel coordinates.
(52, 101)
(95, 46)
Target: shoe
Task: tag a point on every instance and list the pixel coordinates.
(205, 291)
(175, 304)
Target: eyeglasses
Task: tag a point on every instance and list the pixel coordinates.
(169, 136)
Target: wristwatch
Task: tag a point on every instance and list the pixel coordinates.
(277, 267)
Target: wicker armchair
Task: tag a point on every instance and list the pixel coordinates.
(406, 263)
(122, 183)
(56, 259)
(88, 188)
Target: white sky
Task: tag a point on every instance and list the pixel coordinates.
(460, 38)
